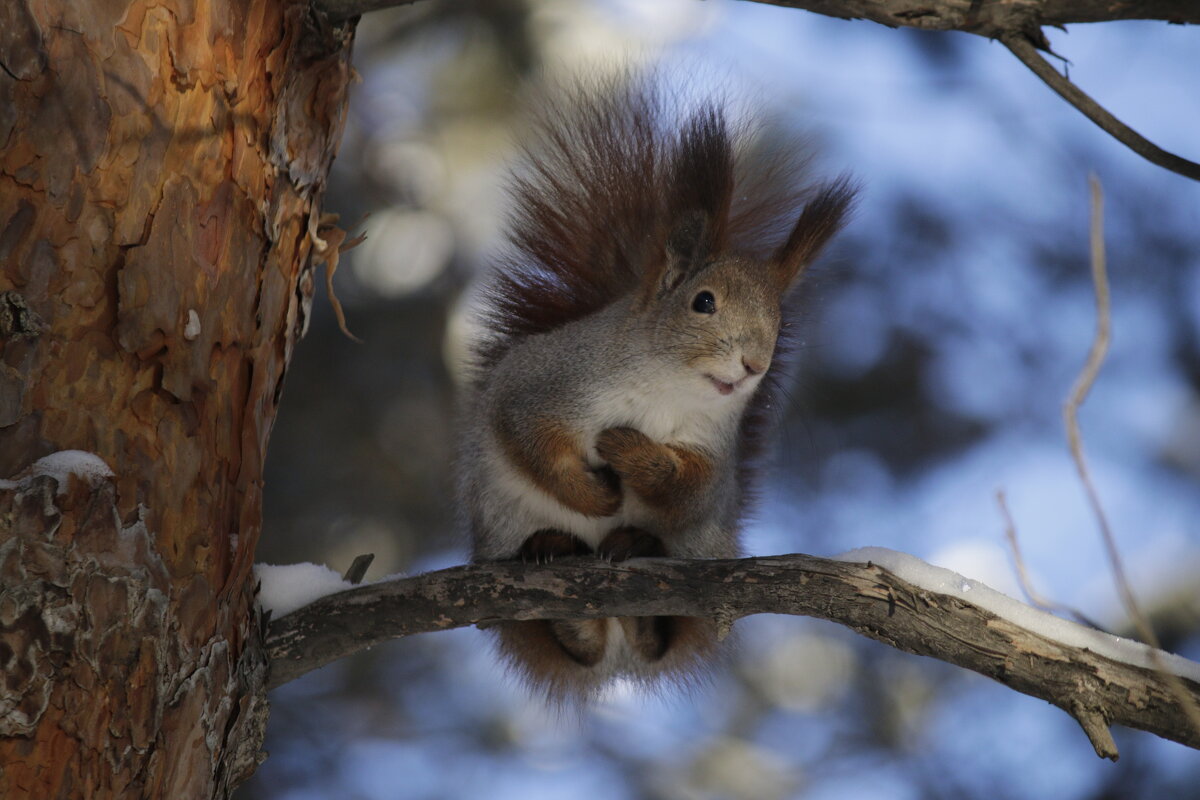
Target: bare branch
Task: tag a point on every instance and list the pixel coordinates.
(985, 18)
(1034, 597)
(1079, 392)
(1024, 49)
(992, 17)
(1016, 23)
(1094, 689)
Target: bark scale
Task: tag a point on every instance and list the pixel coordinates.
(161, 171)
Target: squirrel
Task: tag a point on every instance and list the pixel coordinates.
(620, 392)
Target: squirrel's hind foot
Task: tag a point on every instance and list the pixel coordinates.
(544, 545)
(628, 542)
(574, 659)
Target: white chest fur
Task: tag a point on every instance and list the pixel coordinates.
(684, 410)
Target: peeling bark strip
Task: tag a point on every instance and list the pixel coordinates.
(1097, 691)
(161, 170)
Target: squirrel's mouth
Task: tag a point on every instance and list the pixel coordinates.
(724, 387)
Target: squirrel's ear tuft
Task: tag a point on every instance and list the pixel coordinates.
(822, 217)
(687, 249)
(687, 243)
(698, 185)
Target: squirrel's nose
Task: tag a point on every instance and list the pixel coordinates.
(753, 366)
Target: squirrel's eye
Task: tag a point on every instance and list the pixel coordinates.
(705, 303)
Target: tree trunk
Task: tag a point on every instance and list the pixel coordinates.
(161, 171)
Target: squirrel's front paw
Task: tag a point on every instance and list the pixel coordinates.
(635, 456)
(591, 492)
(606, 488)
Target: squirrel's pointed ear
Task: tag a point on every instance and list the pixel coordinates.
(687, 243)
(687, 248)
(822, 217)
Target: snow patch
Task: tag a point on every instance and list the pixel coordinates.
(192, 329)
(943, 581)
(287, 587)
(88, 466)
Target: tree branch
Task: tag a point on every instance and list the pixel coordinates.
(1016, 23)
(1095, 690)
(1021, 47)
(338, 10)
(991, 18)
(988, 18)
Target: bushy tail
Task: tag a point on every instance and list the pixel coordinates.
(610, 169)
(536, 652)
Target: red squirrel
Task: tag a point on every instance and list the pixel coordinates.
(620, 392)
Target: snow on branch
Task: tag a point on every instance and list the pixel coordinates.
(1098, 679)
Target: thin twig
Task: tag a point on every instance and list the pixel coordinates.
(1095, 726)
(1023, 49)
(1079, 393)
(1031, 594)
(358, 568)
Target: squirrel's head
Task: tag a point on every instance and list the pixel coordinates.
(715, 325)
(715, 317)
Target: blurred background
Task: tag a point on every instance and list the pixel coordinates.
(941, 334)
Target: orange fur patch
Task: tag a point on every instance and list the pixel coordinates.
(552, 456)
(660, 474)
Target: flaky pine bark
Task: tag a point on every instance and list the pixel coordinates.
(161, 169)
